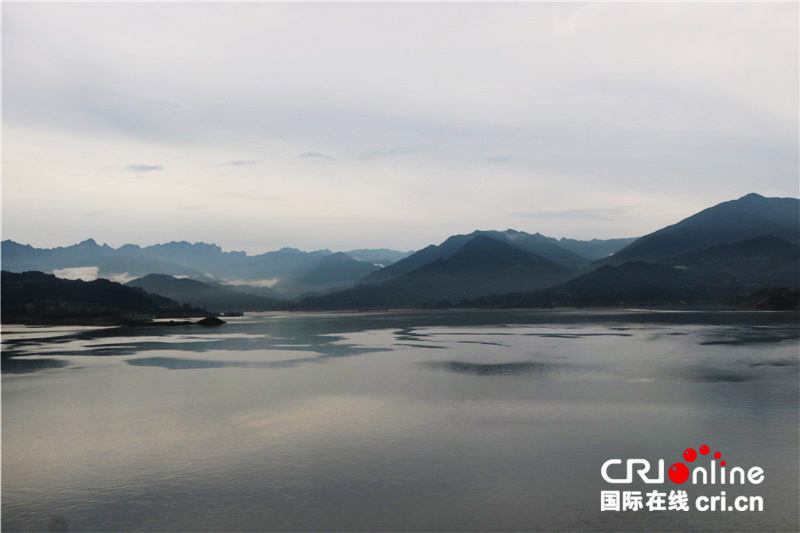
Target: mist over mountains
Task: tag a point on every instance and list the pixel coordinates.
(288, 271)
(35, 297)
(731, 249)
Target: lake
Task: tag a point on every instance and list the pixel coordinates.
(397, 421)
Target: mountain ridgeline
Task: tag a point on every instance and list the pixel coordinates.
(481, 265)
(738, 220)
(202, 295)
(36, 297)
(288, 272)
(731, 249)
(537, 244)
(723, 253)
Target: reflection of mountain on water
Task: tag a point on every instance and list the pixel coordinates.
(177, 363)
(493, 369)
(24, 366)
(752, 335)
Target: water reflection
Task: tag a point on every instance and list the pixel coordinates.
(492, 369)
(752, 335)
(26, 365)
(446, 421)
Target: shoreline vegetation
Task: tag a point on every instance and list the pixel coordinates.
(768, 300)
(112, 321)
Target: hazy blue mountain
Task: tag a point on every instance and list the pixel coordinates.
(538, 244)
(127, 259)
(379, 257)
(485, 260)
(188, 254)
(287, 272)
(482, 265)
(210, 259)
(633, 283)
(333, 272)
(746, 218)
(741, 244)
(211, 255)
(595, 248)
(707, 276)
(198, 294)
(336, 270)
(412, 262)
(199, 260)
(243, 288)
(35, 294)
(761, 262)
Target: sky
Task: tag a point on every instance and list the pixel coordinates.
(369, 125)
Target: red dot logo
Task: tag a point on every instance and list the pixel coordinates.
(704, 449)
(717, 455)
(689, 455)
(679, 473)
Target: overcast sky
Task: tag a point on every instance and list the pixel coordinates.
(341, 126)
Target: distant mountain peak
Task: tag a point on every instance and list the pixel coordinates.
(748, 217)
(752, 195)
(198, 245)
(513, 234)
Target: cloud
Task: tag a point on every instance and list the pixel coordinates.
(248, 196)
(538, 109)
(254, 283)
(316, 155)
(87, 273)
(387, 152)
(144, 168)
(498, 159)
(123, 277)
(607, 213)
(239, 163)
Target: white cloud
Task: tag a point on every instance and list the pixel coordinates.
(123, 277)
(239, 163)
(143, 168)
(87, 273)
(264, 283)
(315, 155)
(442, 117)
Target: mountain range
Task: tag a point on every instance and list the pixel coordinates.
(670, 267)
(288, 271)
(728, 250)
(202, 295)
(737, 220)
(480, 265)
(32, 296)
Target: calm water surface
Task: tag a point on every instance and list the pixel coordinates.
(447, 421)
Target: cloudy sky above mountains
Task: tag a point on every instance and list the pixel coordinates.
(258, 126)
